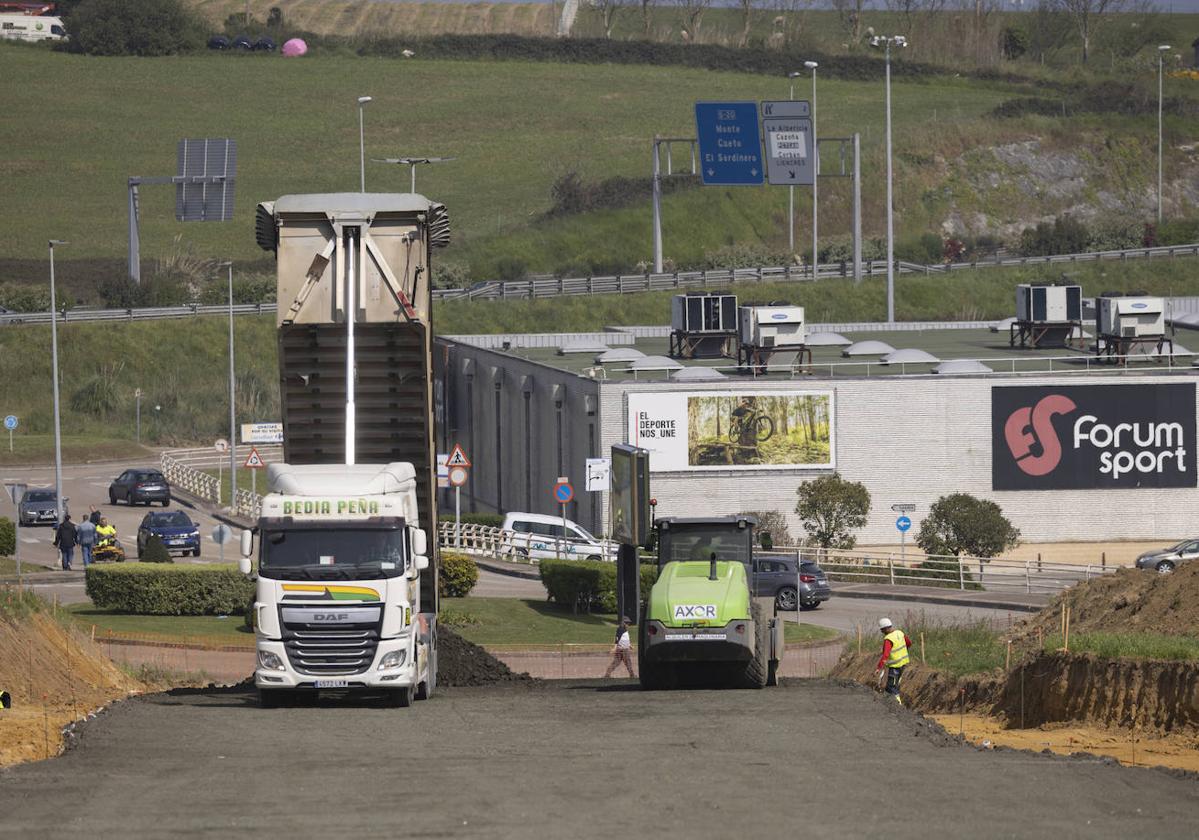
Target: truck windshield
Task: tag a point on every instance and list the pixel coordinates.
(699, 543)
(330, 554)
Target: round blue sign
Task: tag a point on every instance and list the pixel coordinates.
(563, 493)
(903, 523)
(10, 422)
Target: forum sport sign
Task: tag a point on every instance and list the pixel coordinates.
(1092, 436)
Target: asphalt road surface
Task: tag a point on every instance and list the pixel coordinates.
(87, 484)
(569, 760)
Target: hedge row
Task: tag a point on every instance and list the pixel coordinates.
(158, 589)
(588, 584)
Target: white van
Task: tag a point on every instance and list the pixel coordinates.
(535, 536)
(32, 27)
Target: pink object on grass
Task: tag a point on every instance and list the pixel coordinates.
(295, 47)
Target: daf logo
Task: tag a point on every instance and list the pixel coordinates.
(330, 616)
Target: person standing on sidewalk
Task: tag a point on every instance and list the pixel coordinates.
(622, 651)
(85, 534)
(64, 541)
(94, 516)
(895, 656)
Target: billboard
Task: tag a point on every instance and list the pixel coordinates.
(262, 433)
(1071, 437)
(733, 430)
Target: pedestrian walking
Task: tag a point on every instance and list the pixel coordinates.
(94, 517)
(895, 656)
(622, 650)
(64, 540)
(85, 535)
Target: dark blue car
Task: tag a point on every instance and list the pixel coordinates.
(176, 530)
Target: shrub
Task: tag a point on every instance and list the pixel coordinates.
(830, 507)
(449, 275)
(771, 522)
(247, 288)
(8, 537)
(135, 27)
(508, 269)
(1013, 42)
(963, 524)
(24, 298)
(457, 576)
(155, 551)
(493, 520)
(741, 255)
(1066, 235)
(588, 584)
(1173, 232)
(184, 589)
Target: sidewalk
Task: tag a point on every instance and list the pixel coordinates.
(1013, 601)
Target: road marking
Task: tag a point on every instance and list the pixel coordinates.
(30, 540)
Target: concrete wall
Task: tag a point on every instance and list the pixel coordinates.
(913, 440)
(538, 424)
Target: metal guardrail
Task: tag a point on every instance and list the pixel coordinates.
(622, 284)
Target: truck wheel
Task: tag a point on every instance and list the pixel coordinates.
(400, 698)
(758, 668)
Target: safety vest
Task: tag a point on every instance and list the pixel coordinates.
(105, 532)
(899, 650)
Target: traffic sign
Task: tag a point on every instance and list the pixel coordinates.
(458, 476)
(10, 422)
(563, 492)
(254, 461)
(790, 156)
(222, 534)
(457, 457)
(730, 144)
(221, 445)
(599, 471)
(903, 523)
(903, 508)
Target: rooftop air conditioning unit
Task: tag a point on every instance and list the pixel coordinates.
(773, 326)
(1131, 317)
(1048, 304)
(703, 312)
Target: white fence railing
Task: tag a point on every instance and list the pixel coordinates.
(189, 479)
(188, 469)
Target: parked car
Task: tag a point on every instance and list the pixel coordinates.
(536, 536)
(775, 577)
(176, 530)
(38, 507)
(1165, 559)
(140, 487)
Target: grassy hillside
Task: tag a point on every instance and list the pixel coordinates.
(181, 365)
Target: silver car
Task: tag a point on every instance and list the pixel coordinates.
(1164, 560)
(38, 507)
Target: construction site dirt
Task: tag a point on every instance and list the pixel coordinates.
(522, 759)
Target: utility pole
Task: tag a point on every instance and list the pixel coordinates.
(54, 372)
(812, 65)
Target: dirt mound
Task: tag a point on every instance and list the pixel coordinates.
(54, 673)
(925, 689)
(1129, 600)
(463, 663)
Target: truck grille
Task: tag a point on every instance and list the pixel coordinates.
(345, 648)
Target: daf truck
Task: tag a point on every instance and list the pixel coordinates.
(346, 592)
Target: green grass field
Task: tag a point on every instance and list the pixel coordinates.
(1129, 645)
(198, 629)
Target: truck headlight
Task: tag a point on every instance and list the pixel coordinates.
(393, 660)
(269, 661)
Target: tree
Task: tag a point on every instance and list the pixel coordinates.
(692, 12)
(771, 522)
(1088, 16)
(609, 10)
(962, 524)
(830, 507)
(849, 14)
(135, 27)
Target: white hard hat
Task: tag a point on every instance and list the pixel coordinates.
(884, 622)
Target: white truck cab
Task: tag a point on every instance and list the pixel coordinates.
(338, 603)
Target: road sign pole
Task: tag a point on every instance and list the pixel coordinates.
(857, 208)
(903, 541)
(16, 550)
(657, 210)
(10, 441)
(220, 479)
(458, 517)
(253, 482)
(564, 526)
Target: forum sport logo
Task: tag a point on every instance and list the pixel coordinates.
(1031, 428)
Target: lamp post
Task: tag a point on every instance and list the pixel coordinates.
(413, 162)
(232, 401)
(812, 65)
(54, 366)
(1161, 55)
(362, 101)
(793, 75)
(885, 41)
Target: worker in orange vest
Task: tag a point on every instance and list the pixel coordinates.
(895, 656)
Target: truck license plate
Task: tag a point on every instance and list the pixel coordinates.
(332, 683)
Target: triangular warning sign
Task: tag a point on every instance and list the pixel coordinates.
(458, 457)
(255, 462)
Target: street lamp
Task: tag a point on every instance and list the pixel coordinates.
(885, 41)
(812, 65)
(232, 399)
(362, 100)
(413, 162)
(1161, 55)
(54, 366)
(793, 75)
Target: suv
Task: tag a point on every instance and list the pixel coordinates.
(775, 577)
(174, 528)
(140, 487)
(38, 507)
(1164, 560)
(536, 536)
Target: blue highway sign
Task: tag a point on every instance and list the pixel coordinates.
(730, 143)
(903, 523)
(10, 422)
